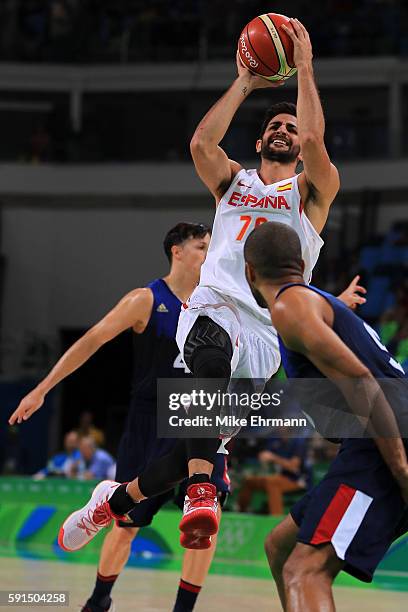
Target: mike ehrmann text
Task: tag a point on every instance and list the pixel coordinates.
(255, 420)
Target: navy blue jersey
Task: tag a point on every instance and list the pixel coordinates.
(362, 339)
(156, 354)
(325, 403)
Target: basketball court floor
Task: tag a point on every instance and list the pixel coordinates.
(154, 590)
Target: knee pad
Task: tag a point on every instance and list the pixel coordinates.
(205, 335)
(202, 448)
(211, 362)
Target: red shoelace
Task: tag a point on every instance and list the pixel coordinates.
(203, 497)
(94, 519)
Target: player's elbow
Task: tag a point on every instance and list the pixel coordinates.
(198, 137)
(200, 143)
(195, 146)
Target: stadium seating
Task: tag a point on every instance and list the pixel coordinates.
(384, 267)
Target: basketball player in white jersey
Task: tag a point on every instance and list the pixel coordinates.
(246, 198)
(221, 328)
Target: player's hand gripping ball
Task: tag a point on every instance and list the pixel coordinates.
(266, 49)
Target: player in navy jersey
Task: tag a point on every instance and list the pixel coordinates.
(350, 519)
(152, 312)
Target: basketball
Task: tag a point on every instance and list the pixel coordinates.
(265, 48)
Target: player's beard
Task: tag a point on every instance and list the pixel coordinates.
(283, 157)
(258, 297)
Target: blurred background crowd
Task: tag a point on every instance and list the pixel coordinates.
(133, 30)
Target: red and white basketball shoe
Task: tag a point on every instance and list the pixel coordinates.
(200, 519)
(83, 525)
(193, 542)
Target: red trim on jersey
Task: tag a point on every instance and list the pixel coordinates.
(193, 588)
(184, 306)
(225, 476)
(333, 515)
(301, 207)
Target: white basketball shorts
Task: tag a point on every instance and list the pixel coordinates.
(255, 345)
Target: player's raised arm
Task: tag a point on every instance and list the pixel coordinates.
(133, 310)
(302, 319)
(211, 162)
(319, 183)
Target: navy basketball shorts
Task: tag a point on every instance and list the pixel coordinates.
(139, 448)
(358, 507)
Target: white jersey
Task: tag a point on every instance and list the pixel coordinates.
(248, 202)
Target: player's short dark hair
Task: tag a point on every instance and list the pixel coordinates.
(277, 109)
(274, 250)
(181, 232)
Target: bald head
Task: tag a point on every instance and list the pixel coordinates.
(87, 447)
(71, 441)
(273, 251)
(273, 255)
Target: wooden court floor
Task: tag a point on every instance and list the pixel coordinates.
(154, 590)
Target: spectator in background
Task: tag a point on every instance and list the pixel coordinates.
(87, 428)
(288, 458)
(93, 463)
(401, 345)
(32, 22)
(40, 146)
(60, 20)
(8, 28)
(393, 323)
(61, 464)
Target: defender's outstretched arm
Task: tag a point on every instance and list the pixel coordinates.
(133, 310)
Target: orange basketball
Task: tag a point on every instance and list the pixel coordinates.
(265, 48)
